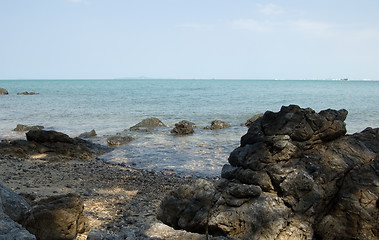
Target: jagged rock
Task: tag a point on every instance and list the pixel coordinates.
(27, 93)
(89, 134)
(296, 175)
(183, 128)
(147, 125)
(217, 124)
(118, 140)
(54, 145)
(25, 128)
(3, 91)
(252, 119)
(57, 217)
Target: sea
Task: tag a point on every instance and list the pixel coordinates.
(112, 106)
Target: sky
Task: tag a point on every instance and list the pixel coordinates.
(233, 39)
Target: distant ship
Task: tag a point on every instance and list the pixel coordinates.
(344, 79)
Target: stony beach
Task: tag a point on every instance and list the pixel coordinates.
(118, 201)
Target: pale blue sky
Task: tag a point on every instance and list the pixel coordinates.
(287, 39)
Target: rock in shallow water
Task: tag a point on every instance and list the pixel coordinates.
(316, 182)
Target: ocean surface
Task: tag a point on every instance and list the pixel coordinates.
(112, 106)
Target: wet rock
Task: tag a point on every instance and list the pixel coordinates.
(217, 124)
(25, 128)
(119, 140)
(147, 125)
(57, 217)
(41, 136)
(89, 134)
(3, 91)
(296, 175)
(183, 128)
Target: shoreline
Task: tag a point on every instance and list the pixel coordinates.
(117, 199)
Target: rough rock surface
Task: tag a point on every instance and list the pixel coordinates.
(252, 119)
(217, 124)
(13, 210)
(3, 91)
(52, 144)
(25, 128)
(183, 127)
(118, 140)
(147, 125)
(296, 175)
(89, 134)
(57, 217)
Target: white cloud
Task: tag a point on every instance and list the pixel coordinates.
(270, 9)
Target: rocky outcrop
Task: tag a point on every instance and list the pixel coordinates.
(183, 127)
(217, 124)
(53, 145)
(296, 175)
(25, 128)
(3, 91)
(147, 125)
(57, 217)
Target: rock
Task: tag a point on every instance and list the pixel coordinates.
(296, 175)
(217, 124)
(57, 217)
(41, 136)
(27, 93)
(252, 119)
(183, 128)
(118, 140)
(13, 211)
(53, 145)
(147, 125)
(25, 128)
(3, 91)
(89, 134)
(11, 230)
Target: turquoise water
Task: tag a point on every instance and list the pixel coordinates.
(110, 106)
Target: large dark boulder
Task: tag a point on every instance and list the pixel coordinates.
(147, 125)
(54, 145)
(296, 175)
(57, 217)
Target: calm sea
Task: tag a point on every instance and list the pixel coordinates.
(111, 106)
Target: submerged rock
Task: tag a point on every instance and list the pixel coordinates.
(217, 124)
(147, 125)
(296, 175)
(27, 93)
(183, 127)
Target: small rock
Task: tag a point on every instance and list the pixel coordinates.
(217, 124)
(3, 91)
(184, 127)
